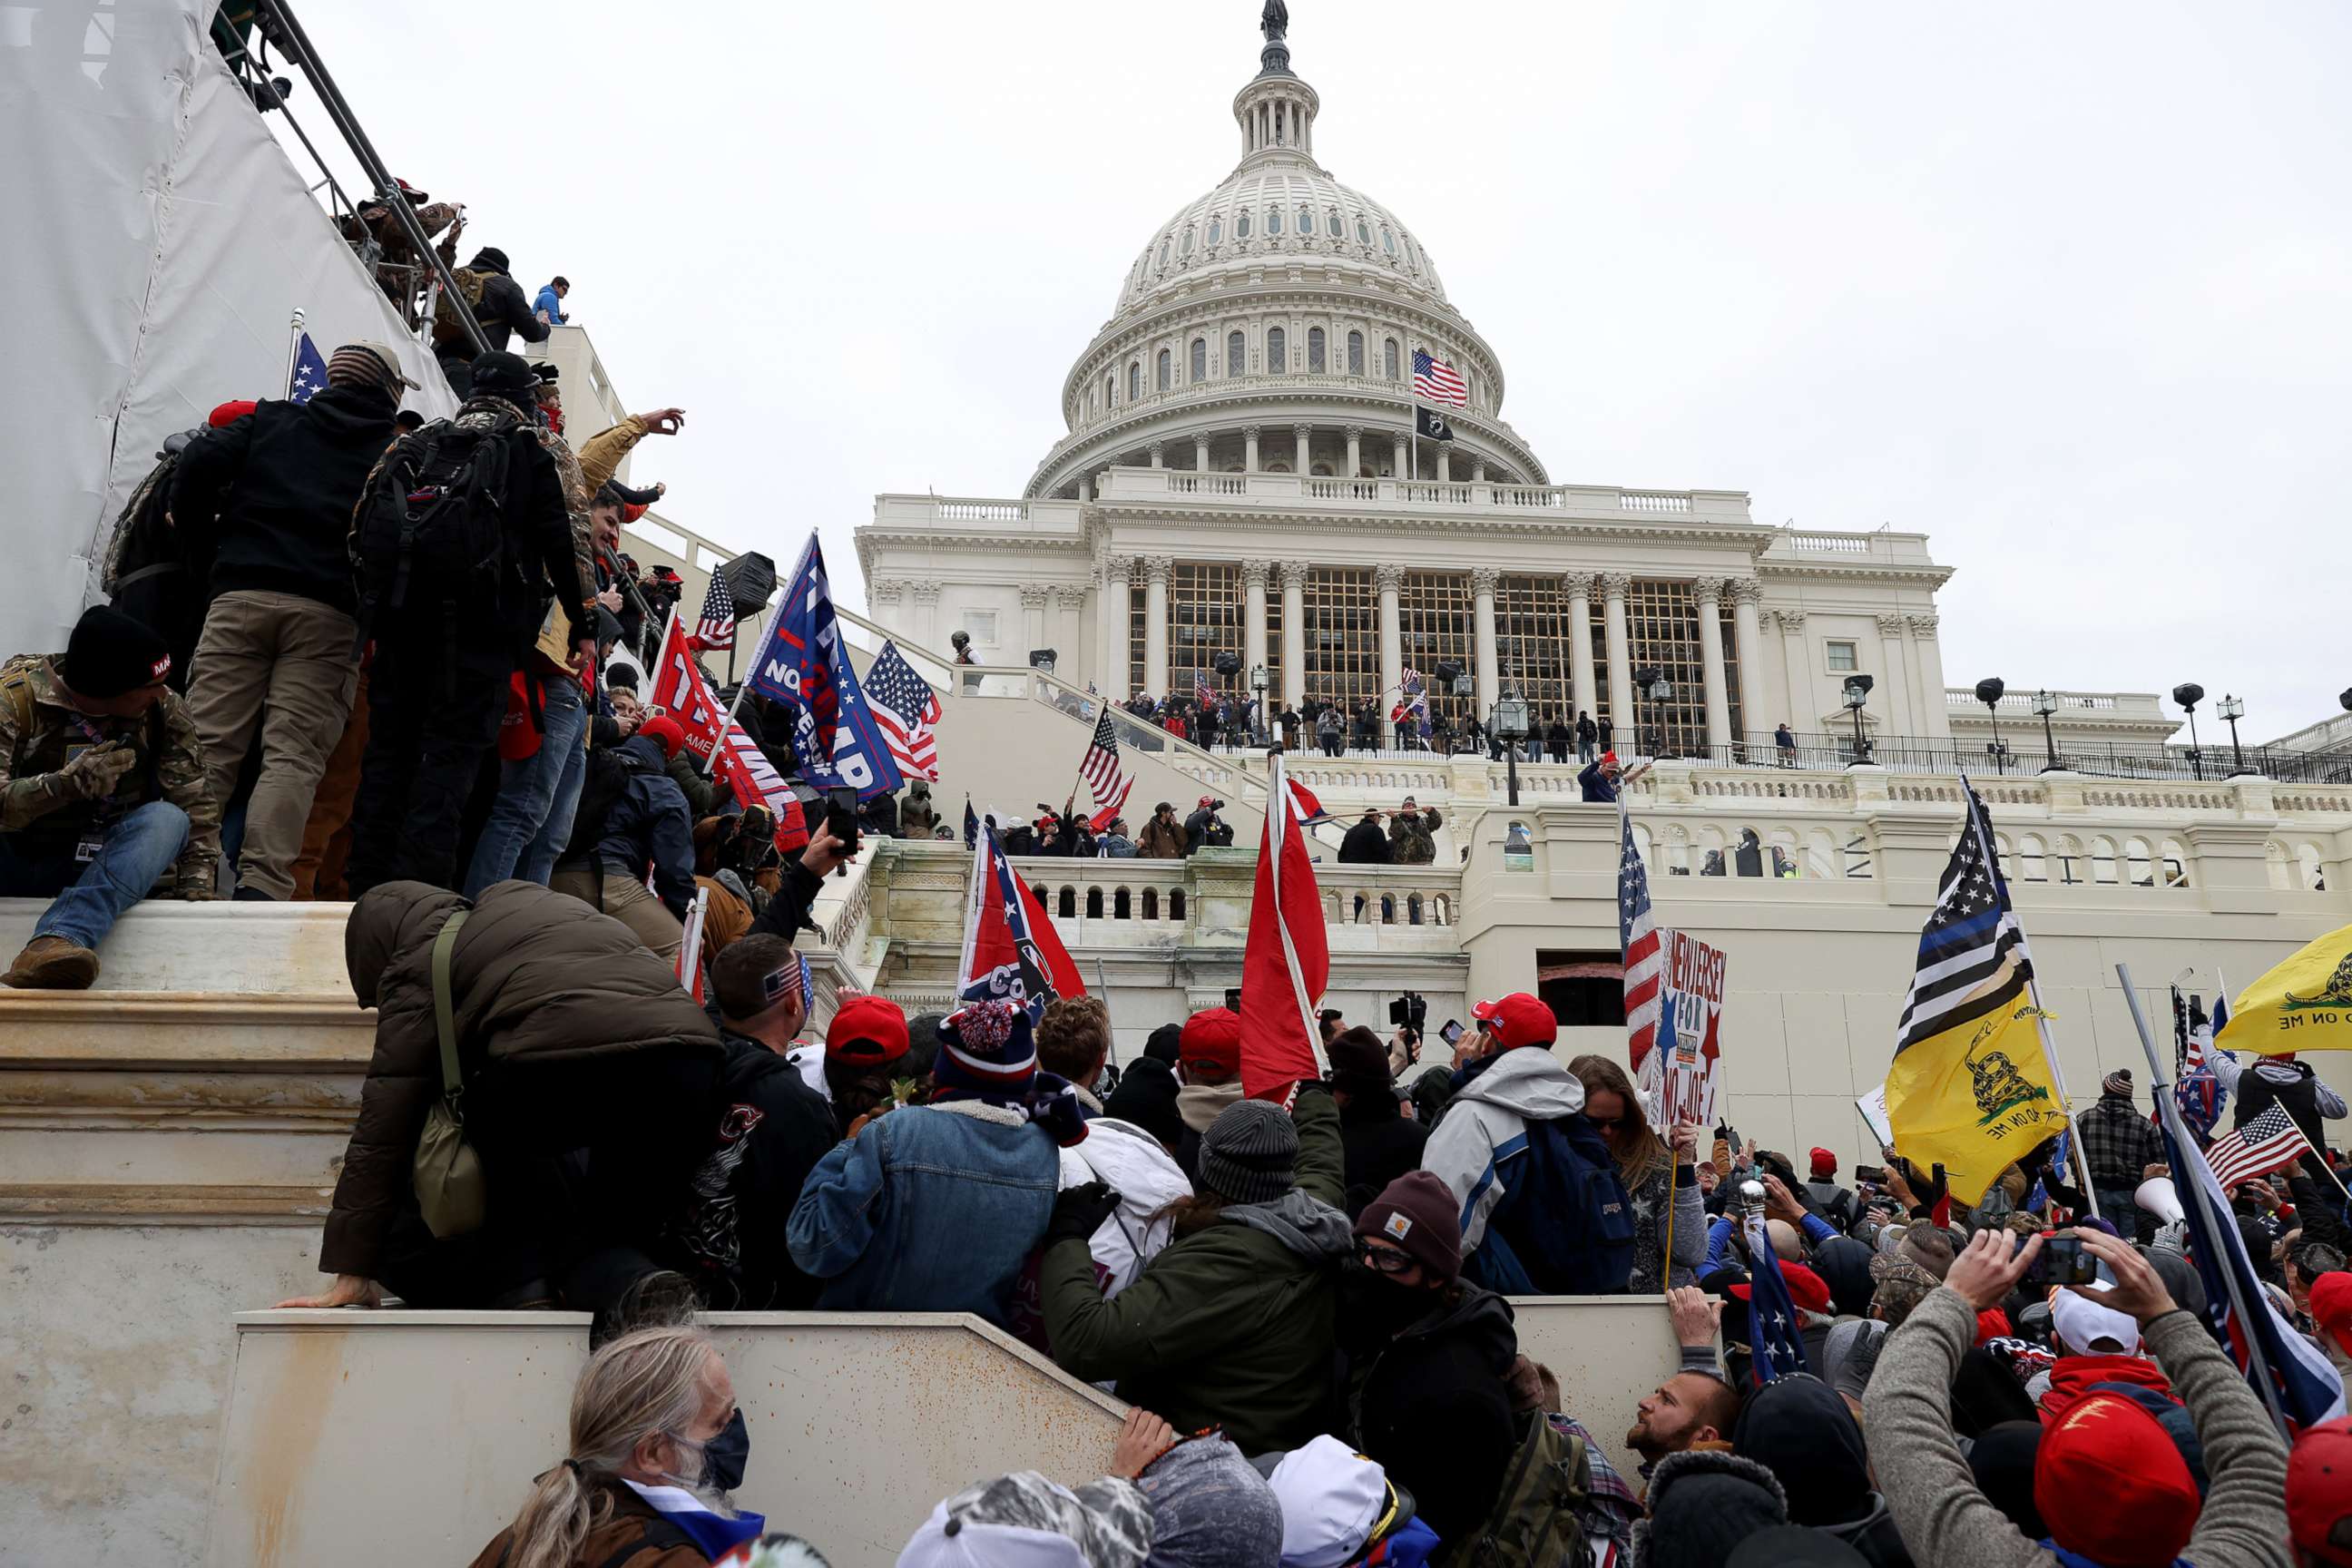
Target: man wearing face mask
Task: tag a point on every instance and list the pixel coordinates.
(1427, 1357)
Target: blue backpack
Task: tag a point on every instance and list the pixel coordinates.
(1564, 1226)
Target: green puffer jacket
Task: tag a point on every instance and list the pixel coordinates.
(1231, 1325)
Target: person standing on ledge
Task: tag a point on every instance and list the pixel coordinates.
(101, 792)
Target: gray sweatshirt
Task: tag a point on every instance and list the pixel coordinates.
(1945, 1519)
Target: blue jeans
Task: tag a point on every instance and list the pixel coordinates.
(87, 900)
(532, 814)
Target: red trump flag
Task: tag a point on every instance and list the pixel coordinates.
(1288, 959)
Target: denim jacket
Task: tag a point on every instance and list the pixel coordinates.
(930, 1208)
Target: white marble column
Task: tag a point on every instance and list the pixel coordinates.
(1708, 593)
(1894, 686)
(1483, 580)
(1253, 616)
(1112, 671)
(1200, 454)
(1070, 630)
(1804, 701)
(1355, 450)
(890, 597)
(1445, 463)
(1033, 620)
(1306, 434)
(1159, 454)
(1747, 642)
(1478, 470)
(1579, 645)
(927, 617)
(1085, 487)
(1402, 472)
(1249, 449)
(1621, 659)
(1936, 713)
(1155, 624)
(1294, 632)
(1391, 578)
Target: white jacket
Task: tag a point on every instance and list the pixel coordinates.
(1486, 1123)
(1147, 1180)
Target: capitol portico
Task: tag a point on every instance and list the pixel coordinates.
(1241, 476)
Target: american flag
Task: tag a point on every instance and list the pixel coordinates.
(2260, 1146)
(1972, 952)
(1100, 767)
(716, 629)
(309, 371)
(906, 710)
(1438, 382)
(1776, 1344)
(1638, 939)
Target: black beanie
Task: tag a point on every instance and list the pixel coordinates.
(498, 373)
(1146, 1097)
(110, 653)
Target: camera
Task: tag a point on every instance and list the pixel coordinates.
(1216, 806)
(2062, 1262)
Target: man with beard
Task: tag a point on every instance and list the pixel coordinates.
(1696, 1407)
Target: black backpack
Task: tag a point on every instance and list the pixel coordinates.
(431, 528)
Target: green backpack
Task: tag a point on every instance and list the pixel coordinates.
(1538, 1516)
(448, 1173)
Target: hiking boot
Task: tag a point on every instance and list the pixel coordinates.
(52, 963)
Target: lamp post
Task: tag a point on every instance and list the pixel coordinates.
(2045, 702)
(2188, 694)
(1858, 692)
(1264, 719)
(1651, 681)
(2233, 709)
(1989, 692)
(1511, 728)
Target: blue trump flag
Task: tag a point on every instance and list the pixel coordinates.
(803, 667)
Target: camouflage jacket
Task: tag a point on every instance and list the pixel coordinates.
(37, 736)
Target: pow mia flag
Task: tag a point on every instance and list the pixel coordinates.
(1432, 426)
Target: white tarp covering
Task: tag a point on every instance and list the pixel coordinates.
(155, 243)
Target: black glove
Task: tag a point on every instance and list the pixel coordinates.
(1079, 1212)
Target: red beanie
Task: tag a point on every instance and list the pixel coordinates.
(665, 732)
(869, 1030)
(2319, 1490)
(2112, 1486)
(1824, 1165)
(228, 413)
(1212, 1037)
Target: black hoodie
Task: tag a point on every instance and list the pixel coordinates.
(1432, 1408)
(504, 311)
(1801, 1429)
(270, 496)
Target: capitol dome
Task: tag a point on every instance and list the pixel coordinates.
(1281, 301)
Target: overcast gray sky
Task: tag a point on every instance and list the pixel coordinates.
(2062, 287)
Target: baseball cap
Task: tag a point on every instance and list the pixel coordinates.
(1213, 1037)
(2319, 1491)
(950, 1541)
(868, 1030)
(1806, 1289)
(1331, 1498)
(2331, 1306)
(1519, 1019)
(389, 359)
(2083, 1323)
(2112, 1486)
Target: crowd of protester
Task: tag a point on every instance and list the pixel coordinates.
(1234, 721)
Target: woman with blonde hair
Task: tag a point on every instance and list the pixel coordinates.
(656, 1444)
(1650, 1167)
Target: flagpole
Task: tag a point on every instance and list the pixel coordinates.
(744, 686)
(2171, 1114)
(293, 352)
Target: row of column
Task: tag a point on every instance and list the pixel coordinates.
(1708, 591)
(1255, 440)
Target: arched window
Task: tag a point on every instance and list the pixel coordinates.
(1094, 903)
(1273, 220)
(1175, 903)
(1166, 370)
(1241, 225)
(1388, 240)
(1199, 359)
(1216, 230)
(1237, 353)
(1134, 380)
(1306, 221)
(1163, 252)
(1315, 361)
(1278, 358)
(1355, 353)
(1363, 232)
(1151, 903)
(1388, 359)
(1186, 247)
(1122, 905)
(1331, 223)
(1068, 905)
